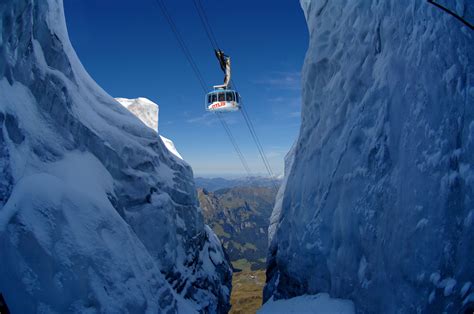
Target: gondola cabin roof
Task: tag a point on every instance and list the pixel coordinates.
(216, 91)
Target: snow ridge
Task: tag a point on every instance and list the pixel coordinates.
(380, 191)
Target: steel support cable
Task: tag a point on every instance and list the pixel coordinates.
(205, 22)
(212, 39)
(210, 34)
(208, 23)
(257, 141)
(234, 142)
(259, 145)
(182, 44)
(200, 78)
(452, 13)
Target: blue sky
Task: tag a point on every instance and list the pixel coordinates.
(129, 49)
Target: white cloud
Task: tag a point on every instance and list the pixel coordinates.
(205, 119)
(209, 119)
(282, 80)
(295, 114)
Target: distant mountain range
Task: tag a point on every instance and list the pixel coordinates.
(214, 184)
(240, 215)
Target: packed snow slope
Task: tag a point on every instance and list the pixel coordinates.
(147, 111)
(96, 215)
(378, 202)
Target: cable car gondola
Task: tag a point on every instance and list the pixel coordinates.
(223, 98)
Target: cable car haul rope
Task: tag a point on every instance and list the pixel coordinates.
(223, 98)
(200, 78)
(452, 13)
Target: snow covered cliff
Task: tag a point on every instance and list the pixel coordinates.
(96, 215)
(378, 204)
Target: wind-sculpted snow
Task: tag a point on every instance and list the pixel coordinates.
(96, 215)
(378, 205)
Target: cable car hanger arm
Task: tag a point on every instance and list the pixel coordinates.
(221, 57)
(224, 62)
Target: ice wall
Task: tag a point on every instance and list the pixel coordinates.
(378, 205)
(96, 215)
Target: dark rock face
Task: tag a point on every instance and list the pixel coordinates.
(95, 213)
(3, 306)
(378, 202)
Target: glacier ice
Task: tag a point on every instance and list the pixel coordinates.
(378, 198)
(96, 214)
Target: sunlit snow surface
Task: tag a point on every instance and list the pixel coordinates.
(378, 201)
(96, 215)
(308, 304)
(147, 112)
(144, 109)
(170, 146)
